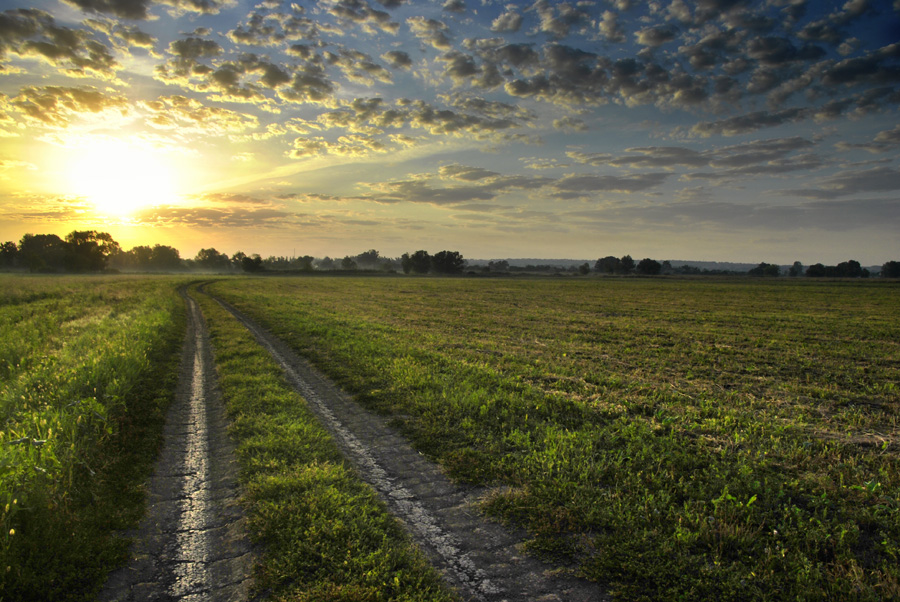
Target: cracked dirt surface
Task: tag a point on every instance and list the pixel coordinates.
(482, 560)
(191, 545)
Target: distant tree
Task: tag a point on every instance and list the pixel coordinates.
(89, 250)
(626, 265)
(212, 260)
(607, 265)
(237, 260)
(326, 263)
(42, 252)
(9, 251)
(165, 258)
(765, 270)
(891, 269)
(367, 260)
(584, 269)
(347, 263)
(305, 263)
(501, 265)
(796, 270)
(817, 270)
(849, 269)
(648, 267)
(252, 264)
(417, 263)
(448, 262)
(666, 267)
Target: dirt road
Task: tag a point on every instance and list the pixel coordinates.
(191, 546)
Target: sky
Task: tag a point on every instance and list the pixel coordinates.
(721, 130)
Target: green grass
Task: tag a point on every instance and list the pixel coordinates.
(679, 439)
(325, 535)
(87, 369)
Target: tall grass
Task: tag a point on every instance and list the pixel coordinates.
(87, 367)
(677, 439)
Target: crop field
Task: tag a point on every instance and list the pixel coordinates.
(86, 371)
(672, 439)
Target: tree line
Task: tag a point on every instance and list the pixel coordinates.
(93, 251)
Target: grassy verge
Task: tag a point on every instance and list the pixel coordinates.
(87, 368)
(679, 439)
(326, 535)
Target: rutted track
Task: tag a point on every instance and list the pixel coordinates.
(191, 545)
(480, 558)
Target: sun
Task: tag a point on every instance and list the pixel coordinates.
(119, 177)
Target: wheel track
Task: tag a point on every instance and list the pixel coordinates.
(481, 559)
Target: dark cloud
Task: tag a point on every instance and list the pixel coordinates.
(361, 14)
(31, 33)
(656, 36)
(852, 182)
(397, 59)
(454, 6)
(127, 9)
(750, 122)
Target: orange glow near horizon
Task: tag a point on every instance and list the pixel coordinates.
(119, 178)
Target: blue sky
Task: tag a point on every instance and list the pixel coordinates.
(712, 130)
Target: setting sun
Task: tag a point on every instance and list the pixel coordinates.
(119, 178)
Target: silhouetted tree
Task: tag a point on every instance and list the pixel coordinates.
(584, 269)
(796, 270)
(891, 269)
(367, 260)
(210, 259)
(666, 267)
(448, 262)
(501, 265)
(417, 263)
(8, 254)
(252, 264)
(765, 270)
(607, 265)
(42, 252)
(89, 250)
(626, 265)
(816, 270)
(326, 263)
(648, 267)
(347, 263)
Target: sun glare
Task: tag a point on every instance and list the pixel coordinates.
(120, 178)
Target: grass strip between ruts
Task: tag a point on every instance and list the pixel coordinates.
(326, 536)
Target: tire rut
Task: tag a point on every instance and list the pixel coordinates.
(191, 544)
(482, 560)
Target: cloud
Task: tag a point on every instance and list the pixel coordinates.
(852, 182)
(655, 36)
(54, 106)
(431, 31)
(584, 185)
(214, 217)
(570, 124)
(749, 122)
(361, 14)
(397, 59)
(610, 28)
(509, 21)
(189, 115)
(454, 6)
(31, 33)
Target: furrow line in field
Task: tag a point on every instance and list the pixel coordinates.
(481, 559)
(191, 545)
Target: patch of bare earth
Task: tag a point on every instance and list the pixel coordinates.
(191, 545)
(481, 559)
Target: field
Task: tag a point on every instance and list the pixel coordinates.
(675, 439)
(668, 438)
